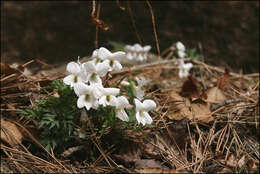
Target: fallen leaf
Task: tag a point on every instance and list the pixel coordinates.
(215, 95)
(179, 108)
(10, 133)
(201, 111)
(224, 79)
(190, 89)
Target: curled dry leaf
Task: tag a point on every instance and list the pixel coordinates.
(182, 108)
(224, 79)
(201, 111)
(10, 133)
(190, 89)
(215, 95)
(179, 108)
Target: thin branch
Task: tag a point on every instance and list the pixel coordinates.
(96, 36)
(154, 29)
(133, 22)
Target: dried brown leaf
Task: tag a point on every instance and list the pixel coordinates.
(201, 111)
(190, 89)
(224, 79)
(215, 95)
(183, 108)
(10, 133)
(179, 108)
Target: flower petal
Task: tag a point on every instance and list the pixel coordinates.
(147, 118)
(138, 105)
(122, 102)
(119, 55)
(113, 101)
(89, 66)
(149, 105)
(102, 68)
(147, 48)
(104, 53)
(138, 118)
(69, 80)
(81, 88)
(81, 101)
(73, 68)
(122, 115)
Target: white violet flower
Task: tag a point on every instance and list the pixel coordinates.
(136, 53)
(180, 46)
(86, 95)
(95, 71)
(112, 59)
(137, 90)
(122, 103)
(180, 49)
(142, 109)
(184, 68)
(108, 96)
(77, 74)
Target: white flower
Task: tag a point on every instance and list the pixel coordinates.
(112, 59)
(181, 54)
(107, 96)
(77, 74)
(180, 46)
(184, 68)
(95, 71)
(137, 90)
(122, 103)
(136, 53)
(86, 95)
(124, 83)
(142, 110)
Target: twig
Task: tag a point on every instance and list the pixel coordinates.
(133, 22)
(226, 102)
(154, 30)
(96, 35)
(118, 4)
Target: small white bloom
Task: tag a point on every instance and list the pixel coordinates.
(112, 59)
(107, 96)
(137, 90)
(86, 96)
(95, 71)
(142, 109)
(124, 83)
(122, 103)
(181, 54)
(184, 68)
(180, 46)
(77, 74)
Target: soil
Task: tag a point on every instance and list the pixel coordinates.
(55, 32)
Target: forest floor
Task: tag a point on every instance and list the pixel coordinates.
(208, 122)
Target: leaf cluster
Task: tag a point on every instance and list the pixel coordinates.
(56, 115)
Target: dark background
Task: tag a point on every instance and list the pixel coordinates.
(58, 32)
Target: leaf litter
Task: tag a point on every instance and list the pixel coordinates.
(187, 136)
